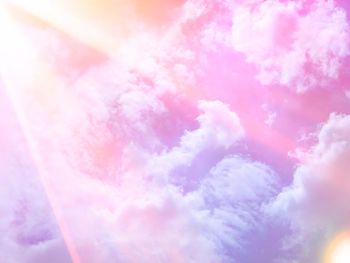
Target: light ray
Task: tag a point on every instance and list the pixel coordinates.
(11, 44)
(74, 18)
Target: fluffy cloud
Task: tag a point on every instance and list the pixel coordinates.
(134, 219)
(103, 182)
(136, 162)
(108, 194)
(27, 224)
(316, 204)
(230, 201)
(297, 44)
(218, 128)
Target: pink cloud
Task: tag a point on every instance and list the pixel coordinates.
(132, 215)
(290, 46)
(218, 128)
(137, 154)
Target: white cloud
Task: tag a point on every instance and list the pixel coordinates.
(27, 224)
(133, 219)
(160, 223)
(316, 204)
(230, 199)
(110, 190)
(290, 48)
(218, 128)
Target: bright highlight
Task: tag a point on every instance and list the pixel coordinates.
(339, 249)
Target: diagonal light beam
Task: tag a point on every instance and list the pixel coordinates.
(11, 44)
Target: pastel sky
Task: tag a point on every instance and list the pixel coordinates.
(177, 131)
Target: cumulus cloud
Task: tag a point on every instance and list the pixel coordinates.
(218, 128)
(111, 141)
(134, 219)
(230, 200)
(316, 204)
(102, 184)
(296, 44)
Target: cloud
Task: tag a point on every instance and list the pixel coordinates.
(28, 227)
(218, 128)
(112, 176)
(231, 197)
(296, 44)
(135, 218)
(316, 204)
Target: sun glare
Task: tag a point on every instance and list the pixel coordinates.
(10, 41)
(339, 250)
(71, 18)
(342, 252)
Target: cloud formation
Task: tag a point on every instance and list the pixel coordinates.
(316, 204)
(138, 217)
(297, 44)
(163, 147)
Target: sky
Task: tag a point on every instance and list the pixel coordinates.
(177, 131)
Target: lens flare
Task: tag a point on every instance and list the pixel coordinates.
(339, 249)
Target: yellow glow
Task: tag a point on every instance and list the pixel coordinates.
(106, 26)
(14, 44)
(339, 249)
(342, 252)
(32, 75)
(88, 23)
(7, 32)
